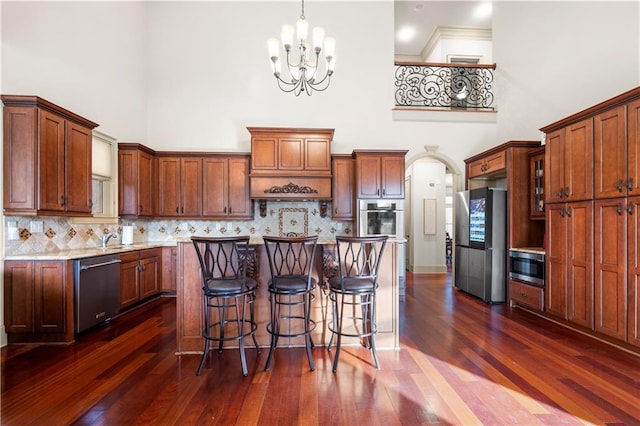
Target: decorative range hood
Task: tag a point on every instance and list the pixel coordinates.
(290, 164)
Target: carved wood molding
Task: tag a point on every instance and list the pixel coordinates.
(290, 188)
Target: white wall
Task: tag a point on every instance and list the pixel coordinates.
(87, 57)
(557, 58)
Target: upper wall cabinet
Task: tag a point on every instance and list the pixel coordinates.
(379, 174)
(180, 181)
(47, 158)
(225, 190)
(290, 163)
(136, 180)
(344, 203)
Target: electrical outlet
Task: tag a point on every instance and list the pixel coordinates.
(36, 226)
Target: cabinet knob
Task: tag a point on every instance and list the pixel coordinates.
(566, 191)
(229, 210)
(62, 200)
(619, 209)
(560, 193)
(619, 185)
(630, 184)
(225, 210)
(630, 208)
(178, 209)
(568, 209)
(561, 212)
(141, 208)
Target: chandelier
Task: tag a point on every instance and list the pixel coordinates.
(303, 75)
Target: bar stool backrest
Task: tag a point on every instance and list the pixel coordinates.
(359, 257)
(291, 257)
(222, 257)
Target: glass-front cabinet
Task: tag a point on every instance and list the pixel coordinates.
(536, 165)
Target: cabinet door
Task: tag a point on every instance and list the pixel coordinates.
(291, 154)
(78, 191)
(168, 277)
(169, 202)
(578, 155)
(610, 153)
(50, 308)
(146, 185)
(579, 219)
(149, 272)
(536, 171)
(496, 162)
(20, 151)
(129, 288)
(554, 167)
(342, 189)
(392, 177)
(214, 187)
(128, 182)
(633, 148)
(368, 176)
(238, 184)
(556, 255)
(633, 270)
(317, 154)
(264, 153)
(191, 187)
(610, 267)
(51, 154)
(18, 296)
(476, 169)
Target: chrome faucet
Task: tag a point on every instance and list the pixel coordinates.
(106, 237)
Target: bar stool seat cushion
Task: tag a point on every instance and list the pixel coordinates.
(352, 284)
(291, 284)
(230, 286)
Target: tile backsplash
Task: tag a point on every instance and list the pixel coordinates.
(283, 218)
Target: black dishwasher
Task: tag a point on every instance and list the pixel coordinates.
(97, 290)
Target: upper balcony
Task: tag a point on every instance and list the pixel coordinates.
(441, 87)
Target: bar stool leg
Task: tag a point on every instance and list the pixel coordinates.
(205, 334)
(240, 321)
(308, 342)
(275, 328)
(339, 332)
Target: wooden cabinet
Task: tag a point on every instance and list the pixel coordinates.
(633, 270)
(38, 301)
(169, 269)
(526, 295)
(225, 190)
(569, 262)
(569, 163)
(488, 166)
(140, 275)
(180, 183)
(47, 158)
(536, 169)
(342, 187)
(610, 267)
(379, 174)
(136, 180)
(290, 163)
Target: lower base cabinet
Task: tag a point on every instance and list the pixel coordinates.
(140, 276)
(38, 301)
(527, 295)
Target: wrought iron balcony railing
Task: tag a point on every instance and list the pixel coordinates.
(444, 86)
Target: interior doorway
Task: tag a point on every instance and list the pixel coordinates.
(431, 180)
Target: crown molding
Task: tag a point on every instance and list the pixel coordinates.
(455, 33)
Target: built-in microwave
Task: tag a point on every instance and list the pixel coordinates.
(527, 266)
(381, 217)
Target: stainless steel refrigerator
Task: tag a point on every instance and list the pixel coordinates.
(480, 239)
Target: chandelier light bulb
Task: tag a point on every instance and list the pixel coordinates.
(329, 47)
(274, 48)
(318, 38)
(287, 37)
(302, 28)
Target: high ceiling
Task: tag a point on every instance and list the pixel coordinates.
(423, 17)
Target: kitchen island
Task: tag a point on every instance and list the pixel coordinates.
(189, 297)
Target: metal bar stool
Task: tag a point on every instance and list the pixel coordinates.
(355, 288)
(226, 288)
(291, 288)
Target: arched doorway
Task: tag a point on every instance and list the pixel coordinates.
(431, 180)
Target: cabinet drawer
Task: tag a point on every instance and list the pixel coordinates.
(524, 294)
(496, 162)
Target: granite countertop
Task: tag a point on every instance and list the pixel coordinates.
(89, 252)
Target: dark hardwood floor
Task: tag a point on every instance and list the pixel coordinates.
(461, 362)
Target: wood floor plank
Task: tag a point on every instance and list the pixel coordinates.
(461, 362)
